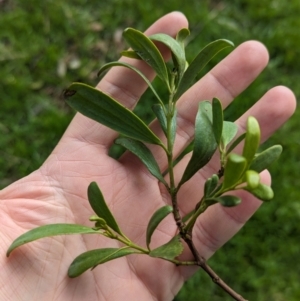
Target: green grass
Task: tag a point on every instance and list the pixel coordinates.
(46, 45)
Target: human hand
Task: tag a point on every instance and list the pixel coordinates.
(56, 192)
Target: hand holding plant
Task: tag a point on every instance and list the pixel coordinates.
(141, 190)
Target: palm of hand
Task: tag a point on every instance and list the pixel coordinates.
(56, 193)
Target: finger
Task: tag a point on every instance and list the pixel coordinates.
(124, 85)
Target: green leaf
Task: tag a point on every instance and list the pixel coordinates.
(169, 250)
(252, 179)
(46, 231)
(228, 200)
(91, 259)
(182, 34)
(199, 62)
(99, 205)
(210, 185)
(161, 117)
(252, 139)
(178, 53)
(104, 109)
(147, 50)
(173, 127)
(144, 154)
(262, 192)
(122, 64)
(217, 119)
(156, 218)
(131, 54)
(228, 133)
(235, 143)
(262, 160)
(234, 170)
(188, 216)
(205, 143)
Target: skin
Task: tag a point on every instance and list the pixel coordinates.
(56, 192)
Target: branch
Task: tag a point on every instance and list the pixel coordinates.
(201, 262)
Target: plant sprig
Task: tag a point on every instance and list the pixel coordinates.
(212, 133)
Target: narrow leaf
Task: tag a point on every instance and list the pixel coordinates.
(262, 160)
(210, 185)
(131, 54)
(46, 231)
(173, 127)
(252, 139)
(161, 117)
(228, 133)
(122, 64)
(182, 34)
(104, 109)
(235, 143)
(91, 259)
(188, 216)
(262, 192)
(199, 62)
(234, 170)
(169, 250)
(185, 151)
(99, 205)
(228, 200)
(144, 154)
(178, 53)
(156, 218)
(217, 119)
(147, 50)
(205, 143)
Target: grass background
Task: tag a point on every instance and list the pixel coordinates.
(46, 45)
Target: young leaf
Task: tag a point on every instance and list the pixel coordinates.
(262, 192)
(46, 231)
(177, 51)
(122, 64)
(147, 50)
(188, 216)
(170, 250)
(173, 127)
(217, 119)
(91, 259)
(262, 160)
(235, 143)
(104, 109)
(131, 54)
(199, 62)
(228, 133)
(228, 200)
(205, 143)
(234, 170)
(98, 204)
(161, 117)
(252, 179)
(252, 139)
(156, 218)
(185, 151)
(210, 185)
(182, 34)
(144, 154)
